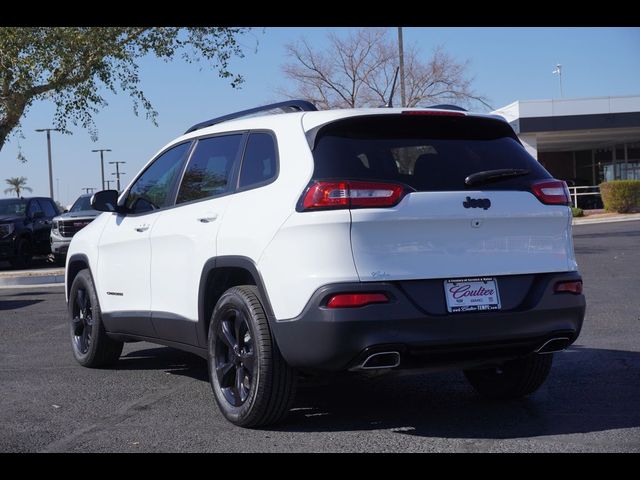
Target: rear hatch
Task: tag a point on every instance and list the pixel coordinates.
(442, 196)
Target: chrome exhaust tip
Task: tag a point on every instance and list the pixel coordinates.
(554, 345)
(380, 360)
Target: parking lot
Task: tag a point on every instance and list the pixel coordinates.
(159, 399)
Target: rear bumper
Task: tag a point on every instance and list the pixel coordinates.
(421, 329)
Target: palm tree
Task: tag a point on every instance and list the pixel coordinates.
(17, 185)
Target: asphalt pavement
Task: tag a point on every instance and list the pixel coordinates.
(158, 399)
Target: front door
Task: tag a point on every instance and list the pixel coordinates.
(124, 260)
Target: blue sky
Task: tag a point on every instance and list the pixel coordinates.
(507, 63)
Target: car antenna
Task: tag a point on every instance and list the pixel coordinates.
(389, 104)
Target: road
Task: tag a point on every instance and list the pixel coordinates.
(158, 399)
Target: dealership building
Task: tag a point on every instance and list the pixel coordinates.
(584, 141)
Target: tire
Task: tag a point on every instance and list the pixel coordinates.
(514, 379)
(91, 346)
(251, 382)
(24, 254)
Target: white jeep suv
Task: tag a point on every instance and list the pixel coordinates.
(326, 241)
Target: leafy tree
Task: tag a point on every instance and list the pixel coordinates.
(18, 184)
(357, 70)
(69, 65)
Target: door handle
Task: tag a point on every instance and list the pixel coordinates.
(209, 219)
(142, 228)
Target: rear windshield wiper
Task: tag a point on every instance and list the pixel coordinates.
(493, 175)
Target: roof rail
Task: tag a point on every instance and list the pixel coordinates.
(446, 106)
(288, 106)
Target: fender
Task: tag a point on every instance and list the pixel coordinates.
(71, 272)
(236, 261)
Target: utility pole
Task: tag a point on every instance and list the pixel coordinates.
(48, 130)
(88, 189)
(102, 150)
(401, 54)
(117, 173)
(108, 182)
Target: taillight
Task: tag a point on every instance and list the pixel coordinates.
(552, 192)
(351, 194)
(434, 112)
(352, 300)
(572, 286)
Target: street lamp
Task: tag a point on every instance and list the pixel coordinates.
(102, 150)
(48, 130)
(117, 172)
(558, 71)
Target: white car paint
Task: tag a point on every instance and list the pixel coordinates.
(427, 235)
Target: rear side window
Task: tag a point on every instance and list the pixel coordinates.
(259, 164)
(210, 167)
(428, 153)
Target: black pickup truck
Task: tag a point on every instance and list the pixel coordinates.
(25, 226)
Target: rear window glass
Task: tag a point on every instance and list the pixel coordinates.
(428, 153)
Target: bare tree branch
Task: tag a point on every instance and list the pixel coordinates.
(358, 71)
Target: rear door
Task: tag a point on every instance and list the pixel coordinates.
(443, 227)
(184, 237)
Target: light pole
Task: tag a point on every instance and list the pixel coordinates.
(108, 182)
(48, 130)
(558, 71)
(102, 150)
(401, 54)
(117, 172)
(88, 189)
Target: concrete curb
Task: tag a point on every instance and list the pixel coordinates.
(619, 218)
(31, 277)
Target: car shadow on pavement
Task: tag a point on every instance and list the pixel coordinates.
(16, 304)
(588, 390)
(175, 362)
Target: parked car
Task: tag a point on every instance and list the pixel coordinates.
(360, 240)
(25, 225)
(65, 226)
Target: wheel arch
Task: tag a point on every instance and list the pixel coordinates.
(76, 264)
(218, 275)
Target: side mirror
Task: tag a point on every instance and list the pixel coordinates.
(105, 201)
(37, 215)
(65, 211)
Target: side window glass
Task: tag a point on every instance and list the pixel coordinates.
(259, 163)
(151, 190)
(34, 207)
(49, 209)
(210, 168)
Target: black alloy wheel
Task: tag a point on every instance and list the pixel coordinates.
(82, 322)
(91, 345)
(234, 357)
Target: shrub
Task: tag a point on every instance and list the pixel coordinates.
(577, 212)
(620, 196)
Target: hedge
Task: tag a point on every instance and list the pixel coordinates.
(620, 196)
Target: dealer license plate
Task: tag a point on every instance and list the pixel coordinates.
(472, 294)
